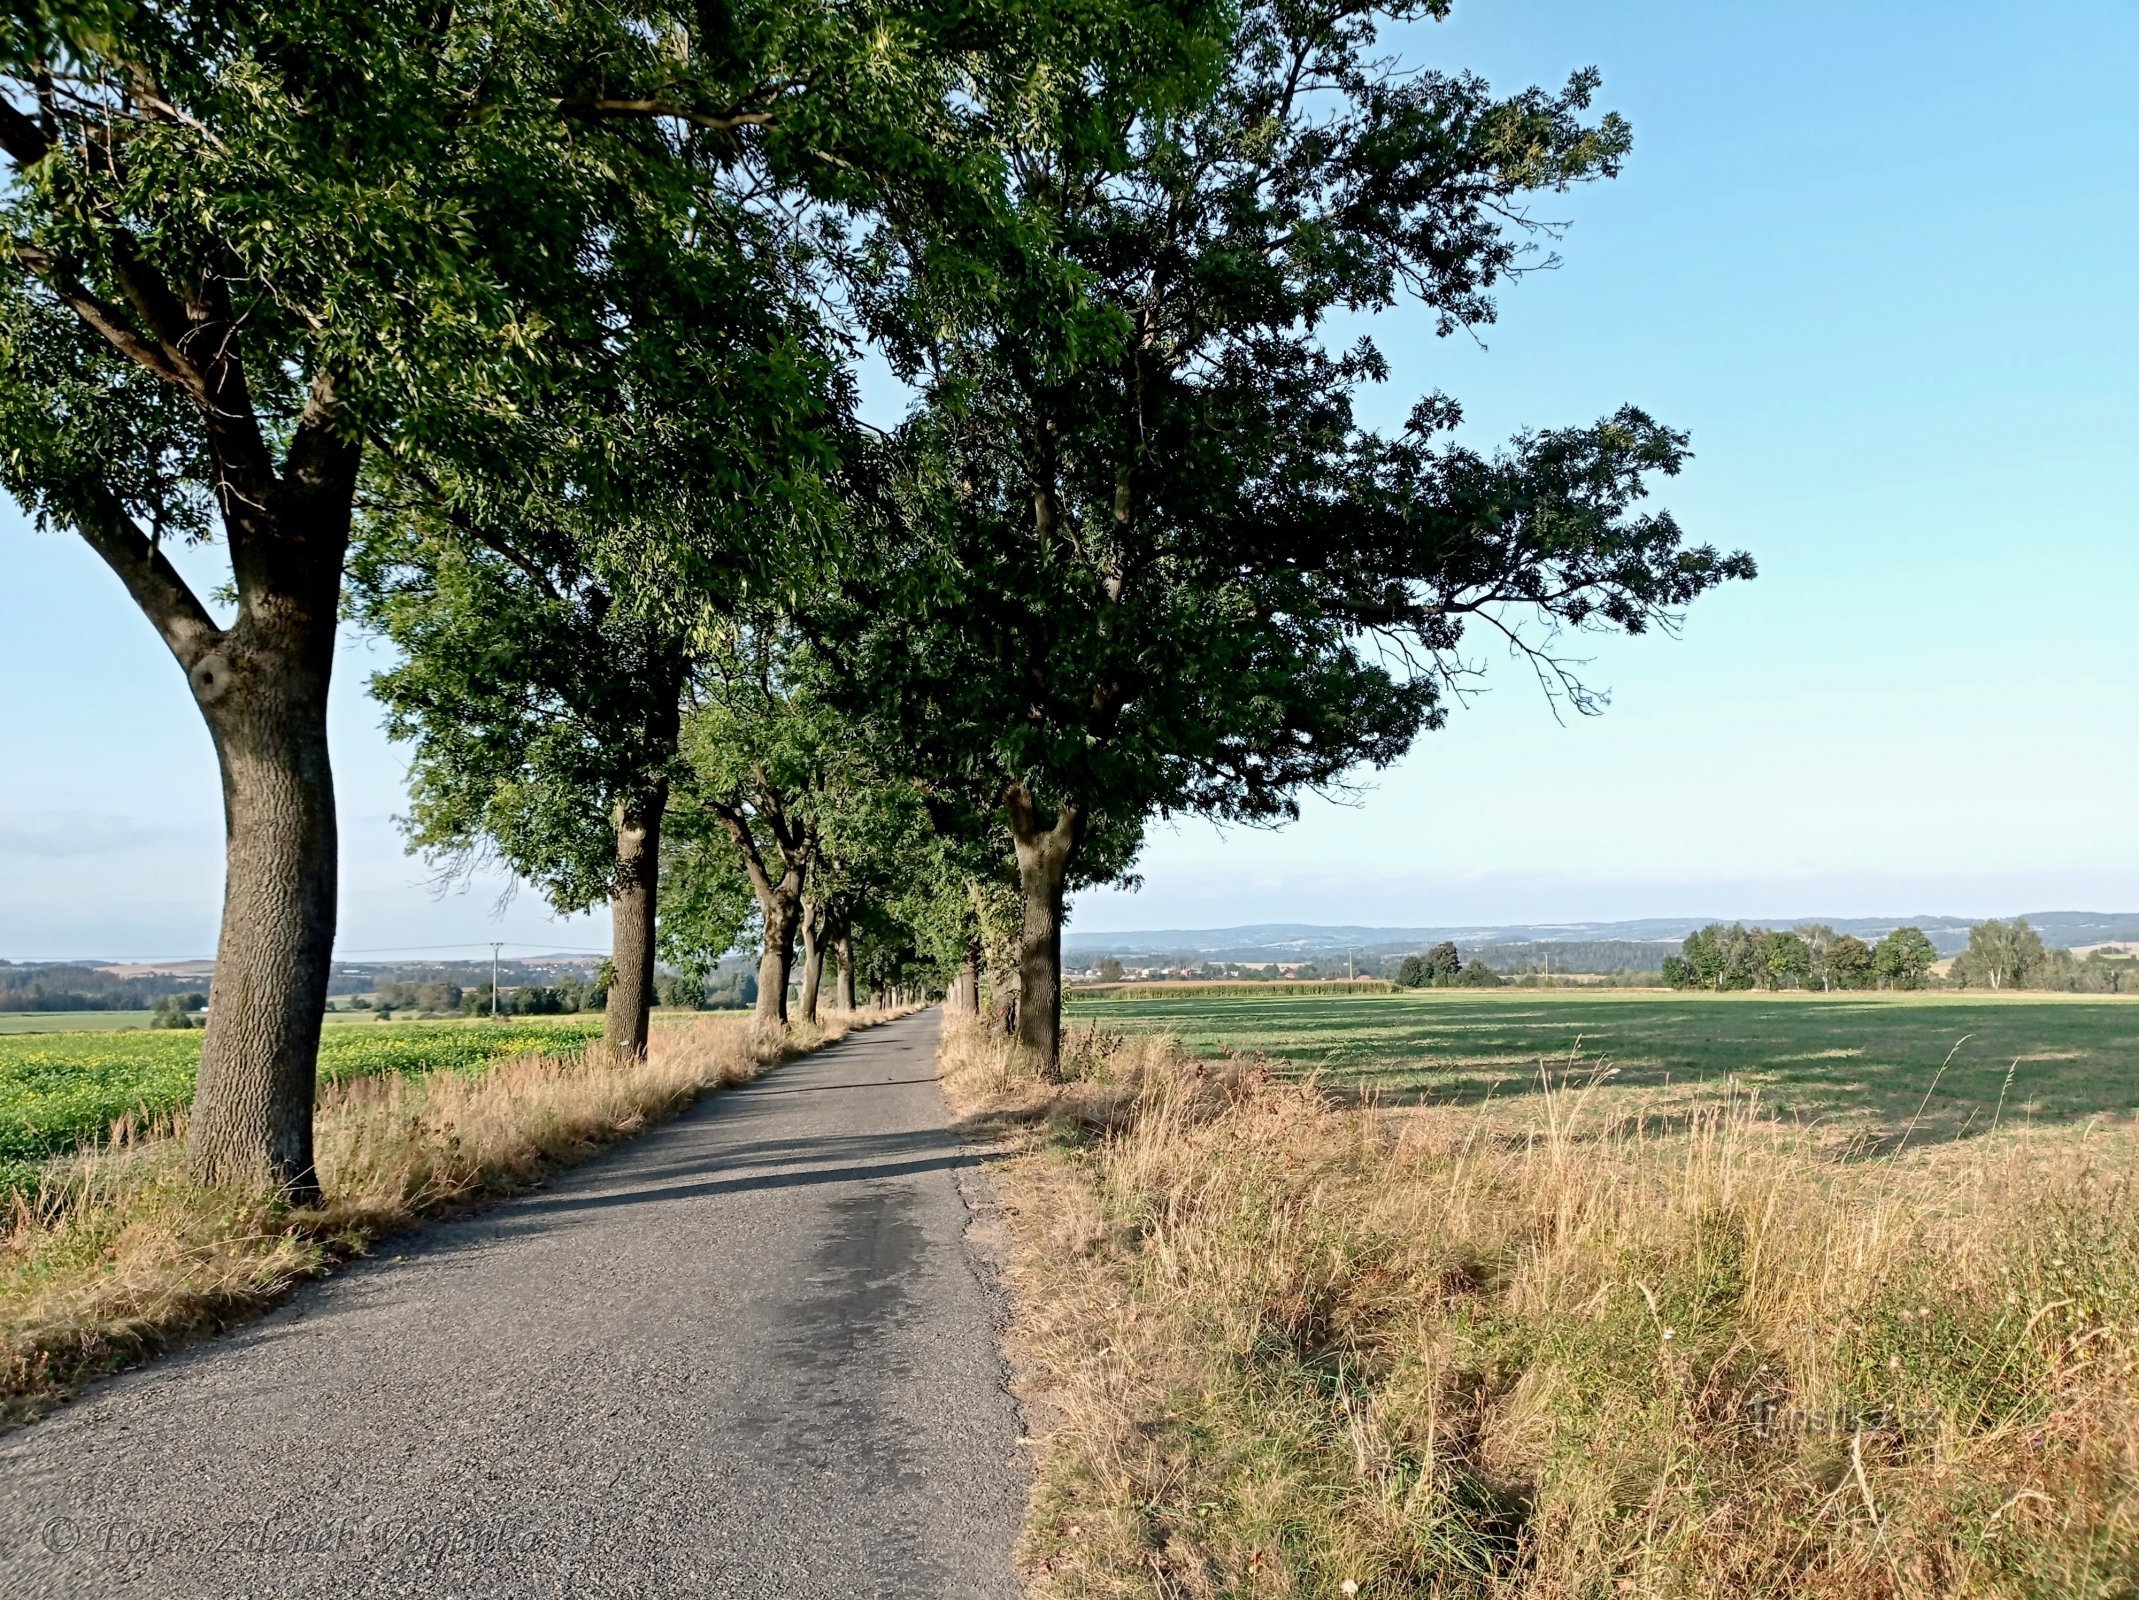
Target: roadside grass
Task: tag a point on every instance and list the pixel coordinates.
(117, 1255)
(1284, 1344)
(1865, 1063)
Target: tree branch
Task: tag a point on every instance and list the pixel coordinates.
(108, 321)
(720, 121)
(738, 827)
(164, 597)
(246, 464)
(20, 136)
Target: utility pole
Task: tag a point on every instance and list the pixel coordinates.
(494, 981)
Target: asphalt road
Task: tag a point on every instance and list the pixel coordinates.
(751, 1353)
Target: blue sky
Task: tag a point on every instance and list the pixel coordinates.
(1877, 259)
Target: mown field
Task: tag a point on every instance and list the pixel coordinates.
(1863, 1060)
(60, 1090)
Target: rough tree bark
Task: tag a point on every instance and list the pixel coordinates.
(632, 905)
(782, 916)
(843, 961)
(779, 898)
(262, 689)
(1044, 848)
(962, 997)
(812, 962)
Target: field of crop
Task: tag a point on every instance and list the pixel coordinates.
(1870, 1061)
(58, 1090)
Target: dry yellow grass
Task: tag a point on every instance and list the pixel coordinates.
(1283, 1347)
(121, 1255)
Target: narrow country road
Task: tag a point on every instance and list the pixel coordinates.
(751, 1353)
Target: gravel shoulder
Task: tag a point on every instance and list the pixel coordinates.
(751, 1353)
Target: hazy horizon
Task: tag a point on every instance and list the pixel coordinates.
(415, 955)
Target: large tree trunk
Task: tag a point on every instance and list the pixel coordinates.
(782, 914)
(266, 708)
(631, 909)
(1044, 849)
(812, 964)
(261, 686)
(843, 961)
(962, 998)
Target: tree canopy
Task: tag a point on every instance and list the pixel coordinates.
(244, 246)
(1139, 556)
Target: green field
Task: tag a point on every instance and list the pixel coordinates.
(1861, 1060)
(72, 1021)
(59, 1090)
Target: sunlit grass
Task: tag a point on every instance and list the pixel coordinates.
(1285, 1344)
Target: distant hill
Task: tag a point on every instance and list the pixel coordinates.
(1300, 941)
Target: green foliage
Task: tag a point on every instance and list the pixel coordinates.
(2003, 955)
(2012, 955)
(549, 579)
(435, 995)
(65, 986)
(684, 990)
(382, 204)
(1737, 957)
(1786, 961)
(532, 715)
(1442, 968)
(1904, 958)
(176, 1010)
(1717, 957)
(1140, 548)
(762, 758)
(1437, 968)
(1849, 961)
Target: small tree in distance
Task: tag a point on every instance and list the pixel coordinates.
(1436, 968)
(1904, 958)
(2001, 955)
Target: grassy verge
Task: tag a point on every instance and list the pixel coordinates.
(116, 1255)
(1283, 1346)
